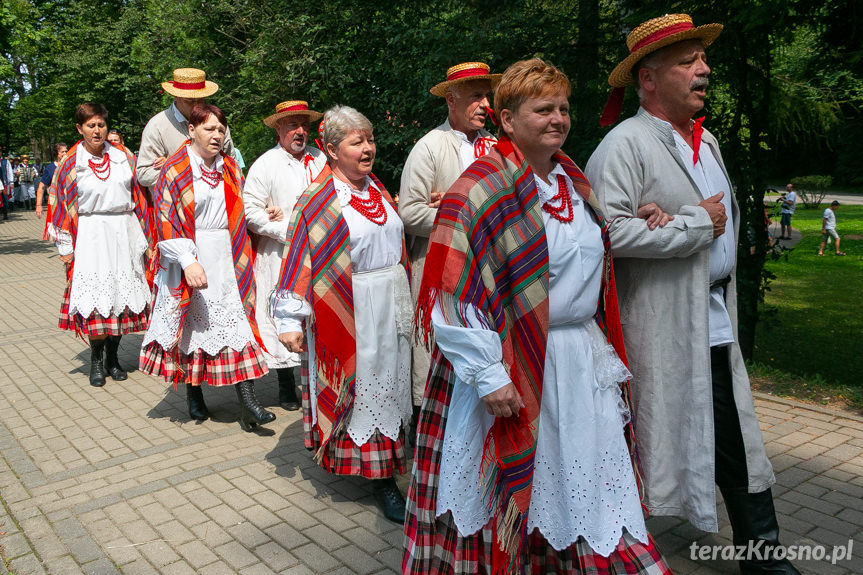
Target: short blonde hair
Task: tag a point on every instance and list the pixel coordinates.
(339, 121)
(528, 79)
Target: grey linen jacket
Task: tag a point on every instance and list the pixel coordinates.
(433, 165)
(663, 282)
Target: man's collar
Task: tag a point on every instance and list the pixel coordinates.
(177, 115)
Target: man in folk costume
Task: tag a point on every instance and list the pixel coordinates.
(521, 462)
(169, 129)
(697, 426)
(277, 179)
(433, 165)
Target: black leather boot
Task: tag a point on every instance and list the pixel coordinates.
(195, 398)
(287, 389)
(753, 519)
(390, 499)
(97, 362)
(112, 364)
(252, 413)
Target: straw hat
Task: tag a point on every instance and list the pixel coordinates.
(190, 83)
(463, 73)
(292, 108)
(658, 33)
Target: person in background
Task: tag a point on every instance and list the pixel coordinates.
(169, 129)
(59, 150)
(276, 180)
(789, 202)
(345, 277)
(115, 138)
(434, 163)
(6, 180)
(828, 229)
(27, 174)
(203, 328)
(99, 221)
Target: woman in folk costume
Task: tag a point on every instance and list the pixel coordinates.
(345, 277)
(276, 180)
(203, 328)
(521, 461)
(99, 220)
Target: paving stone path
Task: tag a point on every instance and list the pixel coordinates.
(118, 480)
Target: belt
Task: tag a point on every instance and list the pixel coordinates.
(721, 282)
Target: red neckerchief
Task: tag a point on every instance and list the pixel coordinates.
(697, 130)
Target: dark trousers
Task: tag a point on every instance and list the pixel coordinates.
(730, 452)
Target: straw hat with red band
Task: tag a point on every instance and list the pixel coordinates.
(647, 38)
(463, 73)
(292, 108)
(190, 83)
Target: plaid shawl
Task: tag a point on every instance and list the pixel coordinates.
(62, 214)
(488, 249)
(176, 204)
(317, 269)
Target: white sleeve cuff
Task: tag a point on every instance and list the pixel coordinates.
(491, 379)
(289, 324)
(186, 259)
(64, 243)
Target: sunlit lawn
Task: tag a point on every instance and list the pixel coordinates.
(813, 347)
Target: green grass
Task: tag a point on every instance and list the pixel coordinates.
(812, 347)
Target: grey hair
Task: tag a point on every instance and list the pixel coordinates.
(339, 121)
(651, 61)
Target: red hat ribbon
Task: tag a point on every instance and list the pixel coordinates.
(613, 106)
(188, 85)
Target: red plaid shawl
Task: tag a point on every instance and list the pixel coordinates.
(176, 204)
(63, 209)
(317, 268)
(488, 249)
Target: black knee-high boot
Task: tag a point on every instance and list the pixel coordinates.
(112, 363)
(287, 389)
(97, 362)
(252, 411)
(195, 398)
(753, 524)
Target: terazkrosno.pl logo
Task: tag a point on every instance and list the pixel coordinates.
(759, 551)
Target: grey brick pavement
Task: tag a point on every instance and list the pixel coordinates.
(118, 480)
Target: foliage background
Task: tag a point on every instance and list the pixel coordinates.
(786, 95)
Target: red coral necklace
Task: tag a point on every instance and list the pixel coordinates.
(211, 177)
(563, 212)
(372, 208)
(101, 170)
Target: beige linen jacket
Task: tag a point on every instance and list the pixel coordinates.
(433, 165)
(162, 136)
(663, 286)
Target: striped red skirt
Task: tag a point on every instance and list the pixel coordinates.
(380, 457)
(96, 325)
(228, 367)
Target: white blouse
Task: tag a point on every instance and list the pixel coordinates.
(575, 254)
(112, 195)
(277, 178)
(372, 247)
(210, 212)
